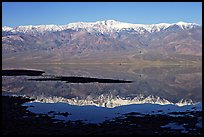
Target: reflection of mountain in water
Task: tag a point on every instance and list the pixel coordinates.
(172, 83)
(110, 101)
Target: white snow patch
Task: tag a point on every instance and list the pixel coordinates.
(107, 26)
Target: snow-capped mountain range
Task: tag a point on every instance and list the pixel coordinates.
(107, 26)
(102, 36)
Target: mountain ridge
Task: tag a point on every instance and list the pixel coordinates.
(105, 26)
(79, 39)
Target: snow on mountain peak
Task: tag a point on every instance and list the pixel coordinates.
(185, 25)
(106, 26)
(6, 28)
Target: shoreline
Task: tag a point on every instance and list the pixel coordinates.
(16, 118)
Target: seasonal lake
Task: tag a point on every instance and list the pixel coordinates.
(94, 93)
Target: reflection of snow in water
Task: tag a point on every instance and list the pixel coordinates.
(94, 114)
(111, 101)
(93, 108)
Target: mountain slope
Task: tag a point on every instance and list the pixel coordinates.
(104, 36)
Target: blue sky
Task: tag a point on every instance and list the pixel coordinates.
(61, 13)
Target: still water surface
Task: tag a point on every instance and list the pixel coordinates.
(170, 86)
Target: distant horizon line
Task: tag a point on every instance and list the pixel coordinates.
(100, 21)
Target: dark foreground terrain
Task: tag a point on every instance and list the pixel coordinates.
(17, 120)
